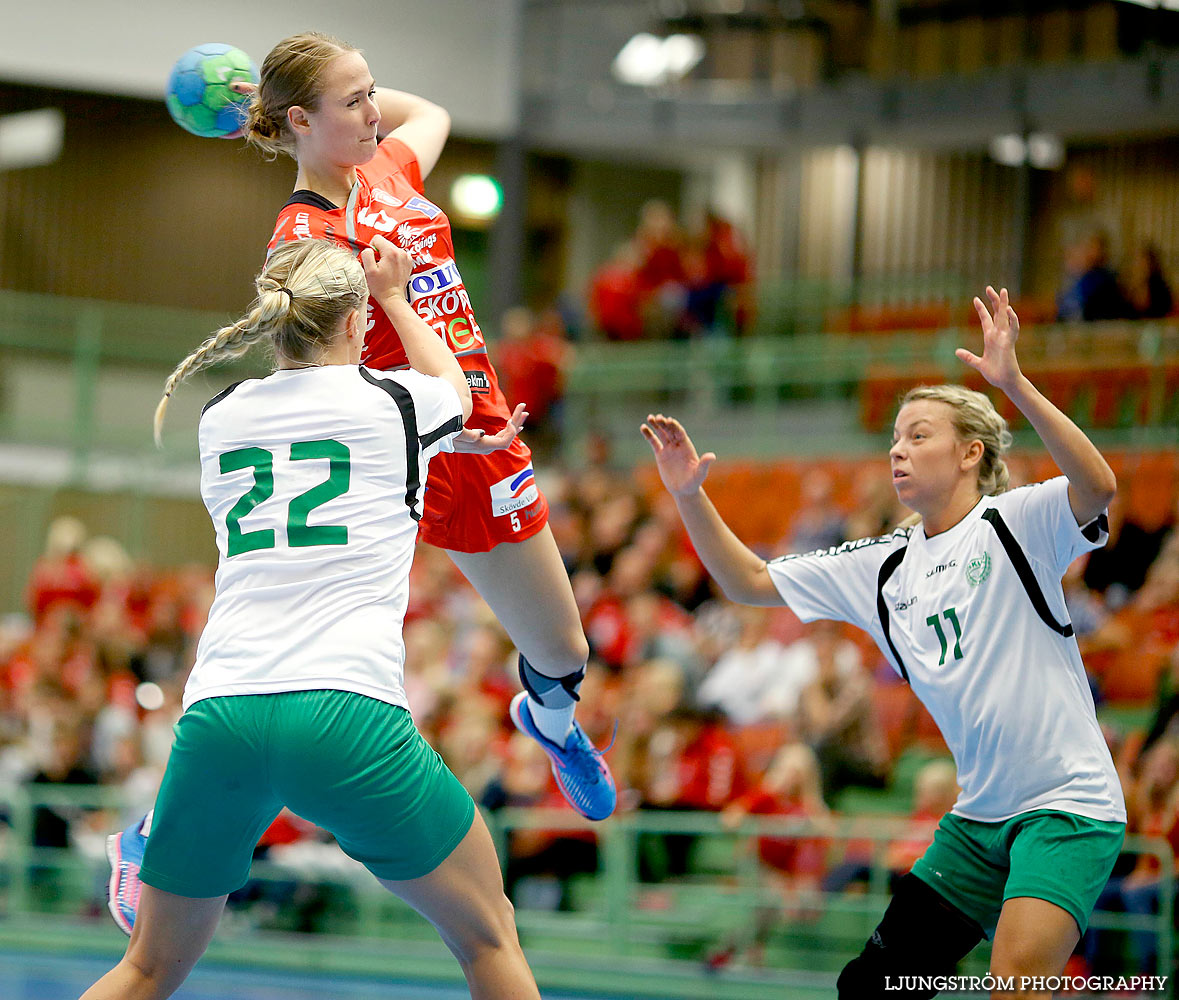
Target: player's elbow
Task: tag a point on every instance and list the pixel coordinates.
(750, 586)
(465, 400)
(1107, 488)
(439, 117)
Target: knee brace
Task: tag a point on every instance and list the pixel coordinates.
(920, 934)
(551, 692)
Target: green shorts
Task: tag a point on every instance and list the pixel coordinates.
(1057, 856)
(348, 763)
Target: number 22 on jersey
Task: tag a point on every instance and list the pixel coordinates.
(300, 534)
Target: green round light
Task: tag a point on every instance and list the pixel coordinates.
(477, 196)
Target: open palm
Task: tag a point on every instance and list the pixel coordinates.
(681, 469)
(1000, 330)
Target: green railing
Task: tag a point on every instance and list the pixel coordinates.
(665, 928)
(84, 376)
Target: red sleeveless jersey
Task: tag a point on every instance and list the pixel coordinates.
(474, 502)
(388, 199)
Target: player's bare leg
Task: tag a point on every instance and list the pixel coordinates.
(527, 588)
(171, 933)
(1034, 938)
(464, 899)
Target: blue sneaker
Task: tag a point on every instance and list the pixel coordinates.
(125, 853)
(581, 772)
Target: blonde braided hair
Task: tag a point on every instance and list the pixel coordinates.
(304, 292)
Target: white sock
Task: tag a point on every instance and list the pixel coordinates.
(554, 723)
(145, 826)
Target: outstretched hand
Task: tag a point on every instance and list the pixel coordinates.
(1000, 329)
(681, 469)
(479, 442)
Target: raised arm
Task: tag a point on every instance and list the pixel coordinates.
(387, 269)
(741, 573)
(422, 125)
(1091, 482)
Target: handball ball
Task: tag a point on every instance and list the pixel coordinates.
(199, 96)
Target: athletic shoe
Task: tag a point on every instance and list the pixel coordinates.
(582, 774)
(125, 853)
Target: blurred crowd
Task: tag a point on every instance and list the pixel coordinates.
(1093, 290)
(668, 282)
(724, 709)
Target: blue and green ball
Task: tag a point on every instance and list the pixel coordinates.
(199, 97)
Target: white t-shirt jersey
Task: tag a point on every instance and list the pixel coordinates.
(314, 480)
(1007, 690)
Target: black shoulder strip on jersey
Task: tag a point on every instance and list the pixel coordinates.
(221, 395)
(1095, 528)
(1024, 569)
(305, 197)
(886, 570)
(409, 418)
(452, 426)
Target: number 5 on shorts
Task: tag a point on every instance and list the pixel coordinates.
(515, 519)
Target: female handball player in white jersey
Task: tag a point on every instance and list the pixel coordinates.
(317, 102)
(966, 605)
(314, 479)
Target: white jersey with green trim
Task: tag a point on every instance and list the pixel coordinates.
(313, 478)
(1006, 688)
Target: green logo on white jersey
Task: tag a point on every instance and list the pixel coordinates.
(978, 569)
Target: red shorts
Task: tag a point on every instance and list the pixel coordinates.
(474, 502)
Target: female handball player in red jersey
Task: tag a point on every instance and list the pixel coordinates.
(317, 102)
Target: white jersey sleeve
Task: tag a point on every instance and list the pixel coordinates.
(839, 583)
(436, 410)
(1042, 519)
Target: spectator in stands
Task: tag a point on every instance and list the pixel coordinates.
(935, 789)
(63, 763)
(61, 575)
(662, 274)
(1151, 616)
(1166, 706)
(1086, 609)
(1152, 803)
(754, 679)
(817, 523)
(532, 357)
(1154, 812)
(720, 273)
(1145, 288)
(695, 766)
(791, 787)
(615, 296)
(1091, 290)
(793, 866)
(1119, 569)
(471, 740)
(836, 719)
(540, 863)
(649, 693)
(874, 506)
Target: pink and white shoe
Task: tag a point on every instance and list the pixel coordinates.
(125, 853)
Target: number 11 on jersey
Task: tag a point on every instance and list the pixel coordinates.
(950, 615)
